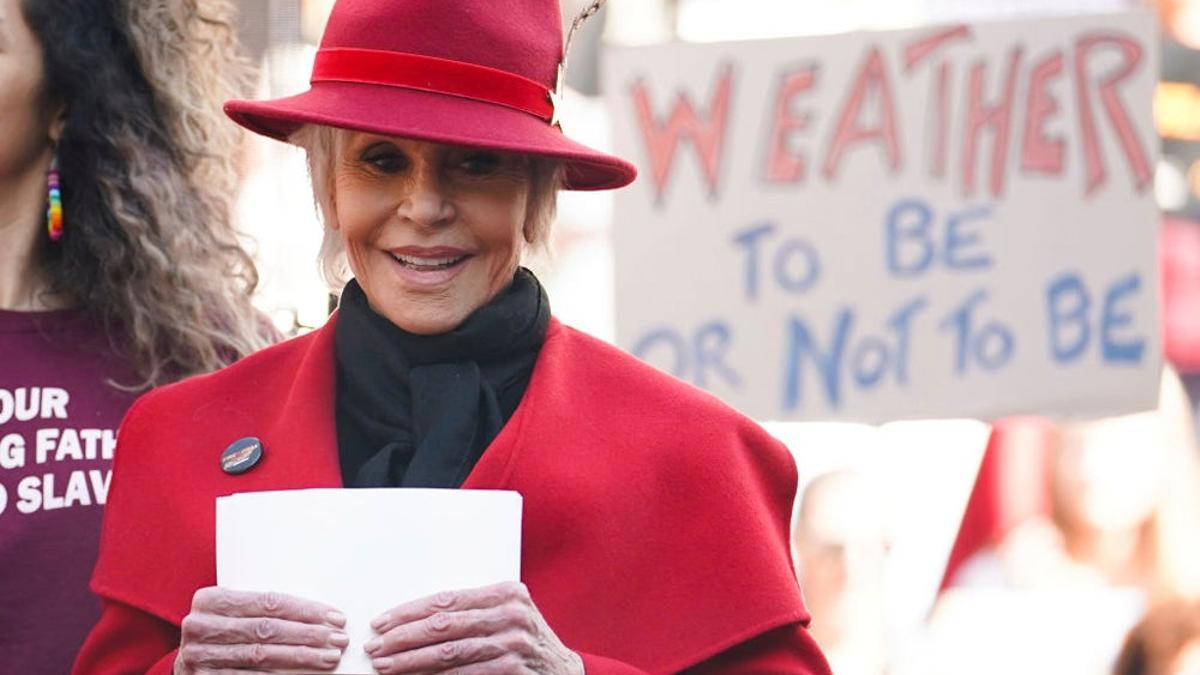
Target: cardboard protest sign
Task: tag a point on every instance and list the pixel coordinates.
(938, 222)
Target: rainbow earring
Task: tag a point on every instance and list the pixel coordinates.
(54, 209)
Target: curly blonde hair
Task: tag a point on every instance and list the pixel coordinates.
(146, 160)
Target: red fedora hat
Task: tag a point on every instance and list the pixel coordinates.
(480, 73)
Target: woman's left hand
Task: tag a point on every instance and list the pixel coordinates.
(495, 629)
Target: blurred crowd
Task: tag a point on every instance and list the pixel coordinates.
(1077, 553)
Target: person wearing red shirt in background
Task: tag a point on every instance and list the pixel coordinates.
(119, 270)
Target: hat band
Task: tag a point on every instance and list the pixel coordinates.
(432, 74)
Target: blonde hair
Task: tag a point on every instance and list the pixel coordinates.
(321, 144)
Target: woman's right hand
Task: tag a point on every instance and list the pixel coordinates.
(237, 630)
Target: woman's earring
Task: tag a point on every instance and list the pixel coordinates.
(54, 209)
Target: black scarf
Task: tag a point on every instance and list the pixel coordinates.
(419, 410)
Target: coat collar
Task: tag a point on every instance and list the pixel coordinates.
(306, 420)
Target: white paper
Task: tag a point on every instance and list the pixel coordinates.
(366, 551)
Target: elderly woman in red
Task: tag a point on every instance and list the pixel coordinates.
(655, 532)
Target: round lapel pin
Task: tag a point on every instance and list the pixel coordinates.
(241, 456)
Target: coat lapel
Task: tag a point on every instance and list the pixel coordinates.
(303, 435)
(301, 438)
(495, 466)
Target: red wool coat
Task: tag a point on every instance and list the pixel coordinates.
(656, 518)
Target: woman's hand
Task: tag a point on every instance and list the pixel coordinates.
(495, 629)
(229, 630)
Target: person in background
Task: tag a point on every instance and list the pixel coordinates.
(1114, 531)
(655, 526)
(1165, 642)
(1122, 508)
(119, 270)
(840, 542)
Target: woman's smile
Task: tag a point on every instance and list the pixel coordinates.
(429, 266)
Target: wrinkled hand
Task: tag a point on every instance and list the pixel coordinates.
(495, 629)
(228, 630)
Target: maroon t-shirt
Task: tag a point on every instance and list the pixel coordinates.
(58, 420)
